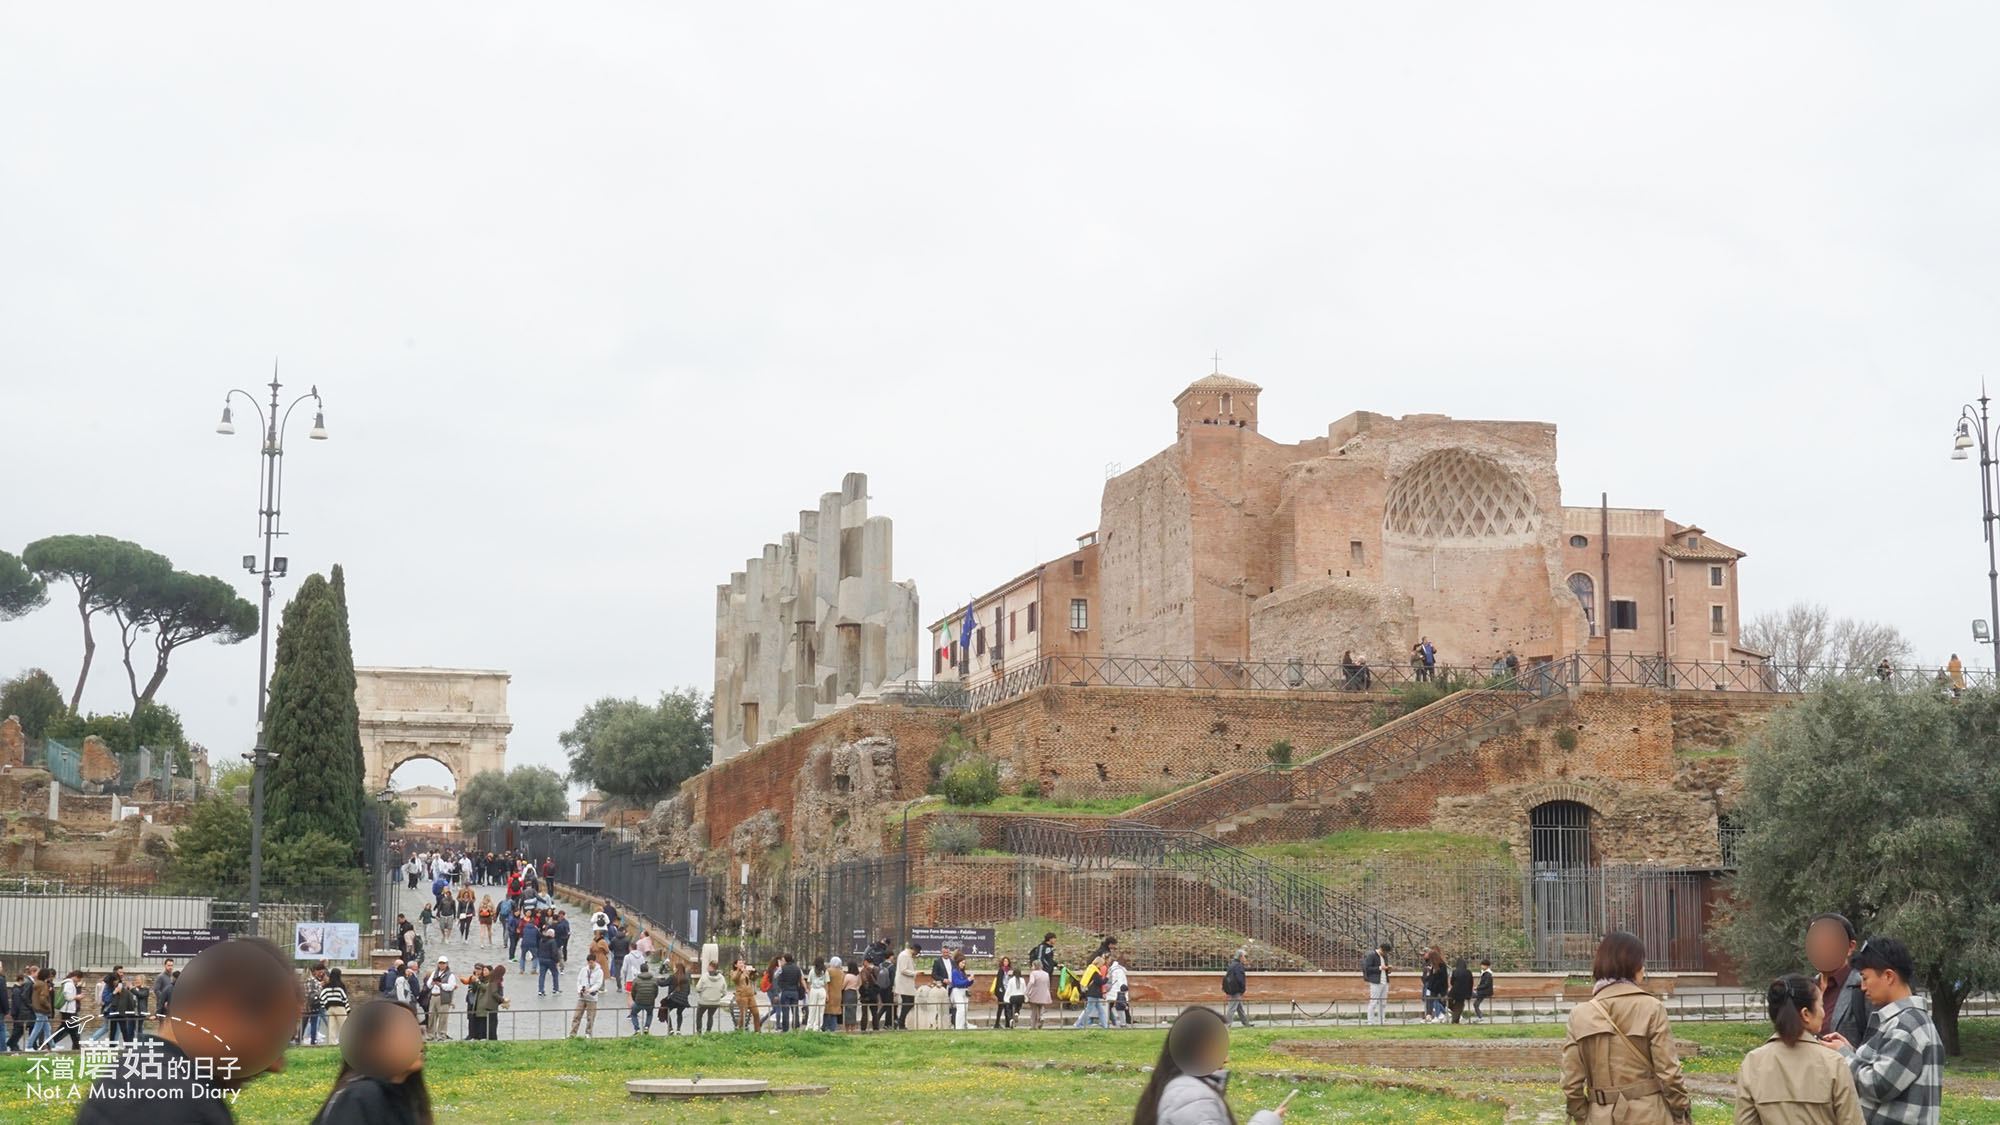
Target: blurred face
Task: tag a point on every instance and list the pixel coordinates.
(1827, 946)
(400, 1051)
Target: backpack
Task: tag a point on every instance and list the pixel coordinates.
(1066, 989)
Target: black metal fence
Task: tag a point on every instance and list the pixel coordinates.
(671, 895)
(839, 909)
(94, 921)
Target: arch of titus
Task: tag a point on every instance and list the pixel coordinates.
(454, 716)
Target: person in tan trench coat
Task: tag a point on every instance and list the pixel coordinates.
(1618, 1061)
(1794, 1079)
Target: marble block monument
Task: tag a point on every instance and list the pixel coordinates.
(813, 624)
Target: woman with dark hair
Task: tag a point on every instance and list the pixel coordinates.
(492, 998)
(1618, 1061)
(1437, 983)
(381, 1079)
(1191, 1074)
(1794, 1079)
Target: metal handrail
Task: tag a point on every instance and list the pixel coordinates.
(1257, 881)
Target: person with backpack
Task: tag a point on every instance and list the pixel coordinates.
(1375, 971)
(1045, 954)
(1235, 982)
(1091, 984)
(644, 989)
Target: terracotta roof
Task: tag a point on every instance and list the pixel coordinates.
(1709, 551)
(1220, 383)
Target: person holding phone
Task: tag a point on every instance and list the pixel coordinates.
(1191, 1076)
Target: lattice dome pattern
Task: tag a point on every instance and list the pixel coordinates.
(1459, 495)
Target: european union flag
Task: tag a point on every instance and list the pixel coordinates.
(965, 631)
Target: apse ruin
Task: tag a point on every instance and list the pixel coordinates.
(812, 625)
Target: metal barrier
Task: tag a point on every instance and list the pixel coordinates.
(671, 895)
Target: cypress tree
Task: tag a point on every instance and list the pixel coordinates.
(357, 761)
(310, 723)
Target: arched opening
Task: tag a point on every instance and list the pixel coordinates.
(1586, 595)
(428, 791)
(1568, 893)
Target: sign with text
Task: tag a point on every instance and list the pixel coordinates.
(177, 941)
(331, 941)
(973, 941)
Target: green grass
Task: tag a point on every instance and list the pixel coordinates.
(1055, 806)
(962, 1078)
(1356, 844)
(907, 1077)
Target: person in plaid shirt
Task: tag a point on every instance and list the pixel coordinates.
(1899, 1072)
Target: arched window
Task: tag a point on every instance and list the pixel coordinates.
(1228, 404)
(1567, 885)
(1586, 593)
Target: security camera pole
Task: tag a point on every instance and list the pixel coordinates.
(270, 483)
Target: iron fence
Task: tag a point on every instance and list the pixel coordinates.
(1588, 669)
(671, 895)
(1272, 898)
(94, 921)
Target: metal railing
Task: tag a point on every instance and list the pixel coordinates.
(1580, 669)
(1353, 925)
(1365, 757)
(1587, 669)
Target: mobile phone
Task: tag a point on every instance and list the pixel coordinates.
(1288, 1098)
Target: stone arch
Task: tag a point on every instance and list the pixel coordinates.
(1454, 495)
(388, 757)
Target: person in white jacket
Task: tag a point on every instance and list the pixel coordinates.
(1189, 1079)
(589, 986)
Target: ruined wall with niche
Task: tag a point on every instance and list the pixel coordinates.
(813, 624)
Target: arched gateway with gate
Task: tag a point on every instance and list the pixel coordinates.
(456, 717)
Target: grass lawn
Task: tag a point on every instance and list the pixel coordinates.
(960, 1078)
(1056, 806)
(1357, 844)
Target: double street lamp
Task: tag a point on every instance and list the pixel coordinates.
(271, 482)
(1976, 430)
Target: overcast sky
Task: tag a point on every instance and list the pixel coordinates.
(599, 296)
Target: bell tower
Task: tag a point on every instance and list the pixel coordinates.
(1217, 400)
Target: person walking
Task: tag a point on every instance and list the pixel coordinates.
(1437, 982)
(381, 1076)
(1459, 989)
(1016, 994)
(1190, 1076)
(1482, 992)
(589, 986)
(315, 1011)
(42, 1000)
(486, 920)
(70, 1008)
(644, 989)
(548, 959)
(333, 999)
(1038, 994)
(1899, 1072)
(1619, 1066)
(961, 992)
(1375, 972)
(710, 993)
(1002, 974)
(1830, 941)
(905, 982)
(1092, 983)
(1793, 1079)
(467, 907)
(20, 1014)
(1236, 982)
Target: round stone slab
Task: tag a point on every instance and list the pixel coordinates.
(696, 1088)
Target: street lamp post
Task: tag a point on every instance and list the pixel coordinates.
(270, 484)
(1975, 428)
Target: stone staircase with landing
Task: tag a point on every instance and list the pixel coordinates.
(1286, 802)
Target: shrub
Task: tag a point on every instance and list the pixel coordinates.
(1031, 789)
(974, 779)
(954, 747)
(1280, 752)
(951, 835)
(1566, 739)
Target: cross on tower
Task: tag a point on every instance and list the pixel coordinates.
(1218, 363)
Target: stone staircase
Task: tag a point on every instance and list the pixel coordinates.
(1232, 802)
